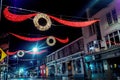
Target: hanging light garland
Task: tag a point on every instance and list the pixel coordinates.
(42, 16)
(23, 51)
(42, 51)
(76, 24)
(11, 53)
(18, 18)
(28, 38)
(51, 41)
(62, 40)
(20, 53)
(14, 17)
(41, 38)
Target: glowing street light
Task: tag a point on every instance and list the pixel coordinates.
(35, 49)
(15, 56)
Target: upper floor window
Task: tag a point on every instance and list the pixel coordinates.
(114, 15)
(93, 46)
(75, 47)
(107, 41)
(66, 51)
(112, 38)
(60, 53)
(81, 44)
(109, 18)
(92, 30)
(53, 57)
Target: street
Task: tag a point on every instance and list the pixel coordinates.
(26, 79)
(52, 78)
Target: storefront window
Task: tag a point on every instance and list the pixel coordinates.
(58, 68)
(78, 66)
(117, 40)
(63, 68)
(112, 41)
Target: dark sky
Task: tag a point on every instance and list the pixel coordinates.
(57, 7)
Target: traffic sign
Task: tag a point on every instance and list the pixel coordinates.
(2, 54)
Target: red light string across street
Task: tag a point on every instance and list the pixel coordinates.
(29, 52)
(18, 18)
(38, 39)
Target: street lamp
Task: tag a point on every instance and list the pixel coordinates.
(35, 49)
(16, 57)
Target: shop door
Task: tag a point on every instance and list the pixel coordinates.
(69, 65)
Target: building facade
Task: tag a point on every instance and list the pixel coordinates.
(102, 44)
(67, 61)
(99, 57)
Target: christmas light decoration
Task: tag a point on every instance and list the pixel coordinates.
(15, 17)
(20, 53)
(37, 39)
(51, 41)
(19, 18)
(46, 25)
(29, 52)
(28, 38)
(63, 40)
(42, 51)
(74, 24)
(11, 53)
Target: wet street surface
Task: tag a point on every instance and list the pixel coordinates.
(53, 78)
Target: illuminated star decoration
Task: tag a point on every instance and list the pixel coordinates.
(18, 18)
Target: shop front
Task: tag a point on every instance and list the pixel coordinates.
(103, 65)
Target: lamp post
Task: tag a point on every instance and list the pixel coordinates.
(35, 49)
(16, 57)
